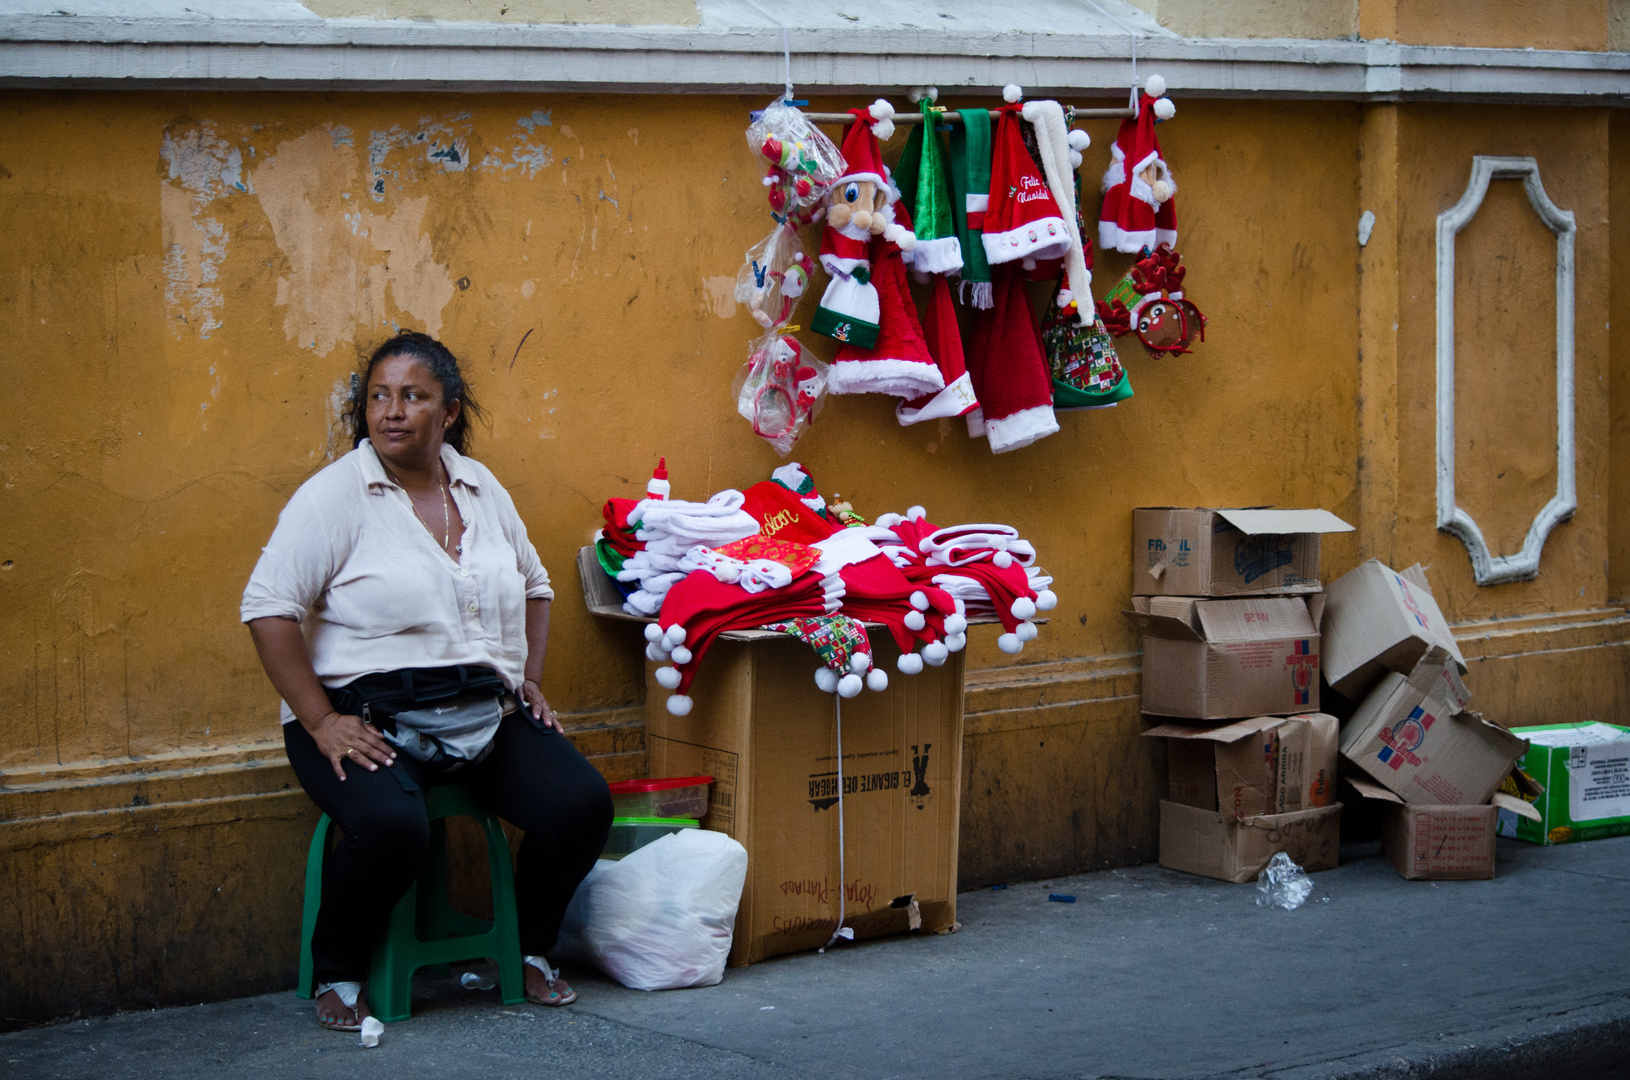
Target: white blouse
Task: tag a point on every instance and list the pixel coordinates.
(373, 591)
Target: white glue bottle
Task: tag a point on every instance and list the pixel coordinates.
(658, 487)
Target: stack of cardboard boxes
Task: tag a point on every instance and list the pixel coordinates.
(1412, 743)
(1230, 603)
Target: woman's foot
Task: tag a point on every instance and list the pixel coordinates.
(544, 986)
(341, 1006)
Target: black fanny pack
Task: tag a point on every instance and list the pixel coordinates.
(379, 698)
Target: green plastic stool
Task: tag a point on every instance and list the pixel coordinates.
(424, 931)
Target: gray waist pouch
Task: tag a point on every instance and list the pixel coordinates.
(451, 735)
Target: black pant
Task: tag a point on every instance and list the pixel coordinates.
(536, 781)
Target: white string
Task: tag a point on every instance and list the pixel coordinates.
(1131, 32)
(786, 48)
(841, 931)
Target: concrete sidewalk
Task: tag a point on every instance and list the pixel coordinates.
(1148, 974)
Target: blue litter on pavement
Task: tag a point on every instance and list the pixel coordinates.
(1061, 898)
(997, 888)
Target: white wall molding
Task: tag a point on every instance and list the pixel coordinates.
(1493, 569)
(735, 50)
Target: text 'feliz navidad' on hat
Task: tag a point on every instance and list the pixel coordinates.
(1022, 220)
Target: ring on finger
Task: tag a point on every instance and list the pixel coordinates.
(349, 750)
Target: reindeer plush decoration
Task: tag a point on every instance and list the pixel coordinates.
(1149, 302)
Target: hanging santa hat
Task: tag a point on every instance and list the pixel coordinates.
(1023, 220)
(1140, 196)
(898, 362)
(945, 345)
(1009, 371)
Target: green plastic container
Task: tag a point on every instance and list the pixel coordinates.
(632, 833)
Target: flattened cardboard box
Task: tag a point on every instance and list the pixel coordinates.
(1437, 842)
(1378, 620)
(1265, 765)
(1585, 769)
(1205, 842)
(1225, 659)
(766, 734)
(1214, 552)
(1407, 737)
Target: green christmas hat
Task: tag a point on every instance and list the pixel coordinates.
(970, 194)
(938, 250)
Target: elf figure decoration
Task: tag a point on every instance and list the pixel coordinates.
(1150, 303)
(860, 210)
(1140, 196)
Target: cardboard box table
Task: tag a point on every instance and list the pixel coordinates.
(1251, 551)
(767, 736)
(1585, 770)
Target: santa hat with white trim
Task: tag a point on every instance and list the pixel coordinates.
(1140, 205)
(1023, 220)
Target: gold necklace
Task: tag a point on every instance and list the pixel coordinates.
(446, 513)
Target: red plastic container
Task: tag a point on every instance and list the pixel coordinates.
(663, 797)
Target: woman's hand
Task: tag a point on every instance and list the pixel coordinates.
(341, 737)
(532, 695)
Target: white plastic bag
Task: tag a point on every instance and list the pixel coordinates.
(662, 917)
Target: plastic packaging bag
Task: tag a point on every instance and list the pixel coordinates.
(662, 917)
(800, 163)
(1283, 884)
(774, 277)
(780, 390)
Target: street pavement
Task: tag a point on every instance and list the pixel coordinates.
(1148, 974)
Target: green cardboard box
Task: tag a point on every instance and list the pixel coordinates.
(1585, 769)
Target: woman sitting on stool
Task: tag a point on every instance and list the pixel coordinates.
(402, 614)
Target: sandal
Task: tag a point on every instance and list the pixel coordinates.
(554, 998)
(349, 994)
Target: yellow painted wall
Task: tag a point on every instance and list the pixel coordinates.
(190, 278)
(1490, 24)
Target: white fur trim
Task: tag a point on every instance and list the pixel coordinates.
(1017, 244)
(976, 422)
(898, 235)
(901, 378)
(1021, 428)
(1116, 173)
(939, 256)
(1112, 237)
(1155, 85)
(1053, 141)
(976, 202)
(1167, 237)
(955, 400)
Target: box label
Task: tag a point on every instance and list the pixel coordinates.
(1170, 552)
(1404, 738)
(1304, 669)
(862, 777)
(1258, 556)
(1599, 781)
(721, 796)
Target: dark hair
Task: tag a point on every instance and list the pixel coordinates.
(442, 364)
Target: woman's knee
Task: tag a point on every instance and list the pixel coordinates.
(389, 833)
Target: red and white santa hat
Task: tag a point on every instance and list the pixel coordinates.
(945, 346)
(898, 363)
(1023, 220)
(1010, 375)
(1138, 213)
(863, 158)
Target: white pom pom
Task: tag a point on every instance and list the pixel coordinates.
(877, 679)
(916, 513)
(914, 620)
(859, 663)
(935, 653)
(1010, 643)
(681, 655)
(1155, 84)
(884, 130)
(885, 521)
(1012, 92)
(1002, 559)
(850, 685)
(675, 635)
(654, 653)
(1046, 600)
(653, 632)
(1079, 140)
(955, 624)
(1160, 190)
(1029, 264)
(1076, 159)
(769, 181)
(1164, 109)
(916, 94)
(1026, 631)
(909, 663)
(826, 679)
(680, 705)
(956, 642)
(1023, 608)
(919, 600)
(668, 678)
(881, 109)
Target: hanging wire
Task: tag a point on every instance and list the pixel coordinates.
(1133, 34)
(786, 48)
(842, 931)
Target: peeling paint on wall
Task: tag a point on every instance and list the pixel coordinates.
(719, 295)
(526, 152)
(202, 167)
